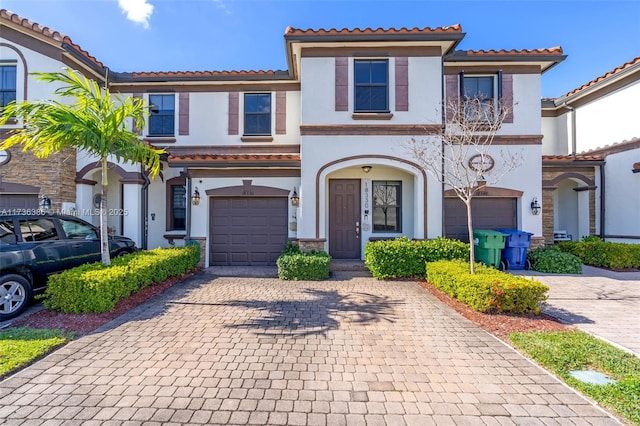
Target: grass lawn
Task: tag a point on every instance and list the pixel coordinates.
(21, 346)
(565, 351)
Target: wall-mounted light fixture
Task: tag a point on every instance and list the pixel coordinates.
(535, 206)
(366, 169)
(45, 203)
(195, 198)
(295, 199)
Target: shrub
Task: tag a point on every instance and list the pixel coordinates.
(488, 290)
(596, 252)
(97, 288)
(552, 260)
(294, 265)
(403, 257)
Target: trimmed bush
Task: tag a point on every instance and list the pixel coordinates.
(553, 261)
(299, 266)
(596, 252)
(488, 290)
(403, 257)
(95, 288)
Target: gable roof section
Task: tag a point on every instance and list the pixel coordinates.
(629, 66)
(357, 34)
(52, 36)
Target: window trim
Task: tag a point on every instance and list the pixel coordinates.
(245, 113)
(170, 183)
(151, 115)
(398, 206)
(386, 85)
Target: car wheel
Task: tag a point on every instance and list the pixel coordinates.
(15, 294)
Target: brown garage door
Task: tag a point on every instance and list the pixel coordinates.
(247, 231)
(488, 213)
(18, 202)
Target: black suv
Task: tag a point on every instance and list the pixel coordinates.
(32, 247)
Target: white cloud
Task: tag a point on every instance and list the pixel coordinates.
(221, 5)
(138, 11)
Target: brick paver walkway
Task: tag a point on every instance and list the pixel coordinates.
(601, 302)
(351, 351)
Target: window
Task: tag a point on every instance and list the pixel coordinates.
(178, 213)
(371, 86)
(38, 230)
(478, 94)
(387, 206)
(7, 232)
(77, 231)
(257, 114)
(162, 118)
(7, 85)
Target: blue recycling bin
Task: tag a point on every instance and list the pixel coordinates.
(514, 254)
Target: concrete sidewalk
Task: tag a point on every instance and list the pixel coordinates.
(601, 302)
(348, 351)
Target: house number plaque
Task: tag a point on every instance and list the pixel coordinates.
(481, 162)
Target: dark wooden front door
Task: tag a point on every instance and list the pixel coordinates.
(344, 218)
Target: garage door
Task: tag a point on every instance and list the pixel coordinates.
(488, 213)
(18, 202)
(247, 231)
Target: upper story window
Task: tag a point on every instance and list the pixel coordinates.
(479, 97)
(7, 85)
(162, 118)
(371, 79)
(257, 114)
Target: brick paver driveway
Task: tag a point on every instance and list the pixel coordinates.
(351, 351)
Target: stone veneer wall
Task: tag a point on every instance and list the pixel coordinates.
(311, 244)
(548, 175)
(203, 249)
(54, 175)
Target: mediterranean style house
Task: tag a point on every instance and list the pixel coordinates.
(591, 158)
(311, 154)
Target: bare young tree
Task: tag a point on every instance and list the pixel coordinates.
(460, 158)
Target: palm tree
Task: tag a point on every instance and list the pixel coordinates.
(94, 122)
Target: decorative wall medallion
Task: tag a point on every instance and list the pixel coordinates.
(5, 157)
(481, 162)
(97, 200)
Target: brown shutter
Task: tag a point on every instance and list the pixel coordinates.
(183, 114)
(402, 84)
(507, 96)
(134, 124)
(234, 106)
(452, 95)
(281, 113)
(342, 84)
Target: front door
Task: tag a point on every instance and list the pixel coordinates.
(344, 218)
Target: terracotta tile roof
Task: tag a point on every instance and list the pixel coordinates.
(457, 28)
(611, 73)
(577, 157)
(556, 50)
(233, 157)
(626, 145)
(232, 73)
(50, 33)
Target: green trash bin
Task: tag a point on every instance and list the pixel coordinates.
(488, 246)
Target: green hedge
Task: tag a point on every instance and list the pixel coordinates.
(488, 290)
(553, 261)
(603, 254)
(309, 266)
(94, 288)
(403, 257)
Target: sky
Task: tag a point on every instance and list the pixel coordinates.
(190, 35)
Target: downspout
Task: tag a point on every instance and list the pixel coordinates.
(444, 125)
(144, 217)
(574, 144)
(602, 198)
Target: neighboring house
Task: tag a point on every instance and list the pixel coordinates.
(311, 154)
(591, 158)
